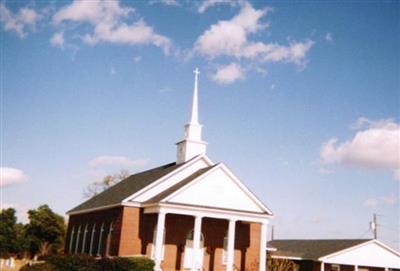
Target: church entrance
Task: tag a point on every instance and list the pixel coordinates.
(192, 255)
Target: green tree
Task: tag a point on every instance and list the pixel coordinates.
(45, 231)
(8, 233)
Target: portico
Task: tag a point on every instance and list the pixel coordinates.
(199, 214)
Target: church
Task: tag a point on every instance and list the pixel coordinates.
(191, 214)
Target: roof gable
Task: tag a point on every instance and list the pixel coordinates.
(372, 253)
(213, 187)
(312, 249)
(171, 179)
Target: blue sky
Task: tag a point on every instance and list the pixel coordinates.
(300, 99)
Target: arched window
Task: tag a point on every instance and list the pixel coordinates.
(71, 239)
(100, 239)
(84, 239)
(108, 243)
(153, 250)
(77, 239)
(91, 239)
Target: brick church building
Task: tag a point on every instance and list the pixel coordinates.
(192, 214)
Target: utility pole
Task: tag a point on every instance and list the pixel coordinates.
(374, 226)
(272, 233)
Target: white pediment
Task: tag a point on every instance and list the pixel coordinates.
(171, 179)
(218, 188)
(372, 253)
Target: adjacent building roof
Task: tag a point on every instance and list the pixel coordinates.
(120, 191)
(312, 249)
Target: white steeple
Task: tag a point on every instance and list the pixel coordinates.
(192, 145)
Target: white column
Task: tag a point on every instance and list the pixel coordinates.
(196, 243)
(159, 241)
(356, 268)
(263, 247)
(231, 245)
(322, 266)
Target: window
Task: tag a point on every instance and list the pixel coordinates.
(91, 239)
(84, 238)
(71, 239)
(77, 239)
(100, 239)
(109, 235)
(335, 267)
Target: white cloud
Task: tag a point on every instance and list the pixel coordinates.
(123, 161)
(10, 176)
(231, 38)
(107, 19)
(19, 21)
(376, 145)
(57, 40)
(228, 74)
(385, 200)
(165, 2)
(328, 37)
(206, 4)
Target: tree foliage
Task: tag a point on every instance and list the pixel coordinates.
(8, 234)
(97, 187)
(45, 231)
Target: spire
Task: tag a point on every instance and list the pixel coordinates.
(192, 144)
(194, 119)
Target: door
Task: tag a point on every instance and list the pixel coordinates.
(189, 251)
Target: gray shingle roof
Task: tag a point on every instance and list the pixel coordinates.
(172, 189)
(312, 249)
(120, 191)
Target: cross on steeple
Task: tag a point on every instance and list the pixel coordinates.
(192, 144)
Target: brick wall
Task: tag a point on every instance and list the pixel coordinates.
(95, 219)
(133, 234)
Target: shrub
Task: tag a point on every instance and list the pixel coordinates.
(39, 267)
(72, 262)
(142, 264)
(124, 264)
(87, 263)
